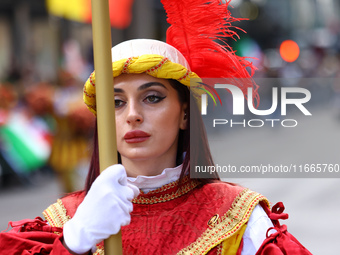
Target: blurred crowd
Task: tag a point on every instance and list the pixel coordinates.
(44, 128)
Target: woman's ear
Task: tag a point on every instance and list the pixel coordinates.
(184, 118)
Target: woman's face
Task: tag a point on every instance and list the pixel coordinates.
(149, 116)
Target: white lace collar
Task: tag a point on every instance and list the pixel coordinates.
(149, 183)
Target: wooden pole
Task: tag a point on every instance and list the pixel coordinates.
(101, 30)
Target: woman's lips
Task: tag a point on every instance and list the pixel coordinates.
(136, 136)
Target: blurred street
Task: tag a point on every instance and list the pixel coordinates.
(27, 202)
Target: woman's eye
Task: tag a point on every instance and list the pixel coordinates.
(118, 103)
(153, 99)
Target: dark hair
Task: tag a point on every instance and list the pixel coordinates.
(199, 147)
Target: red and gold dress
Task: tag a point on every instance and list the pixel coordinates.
(213, 218)
(195, 219)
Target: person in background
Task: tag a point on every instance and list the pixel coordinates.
(70, 147)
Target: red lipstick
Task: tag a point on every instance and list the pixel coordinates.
(136, 136)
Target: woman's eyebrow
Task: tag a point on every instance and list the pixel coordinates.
(150, 84)
(116, 90)
(142, 87)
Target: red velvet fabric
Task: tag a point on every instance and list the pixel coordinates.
(32, 237)
(167, 227)
(175, 224)
(281, 242)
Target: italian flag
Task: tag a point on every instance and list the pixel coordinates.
(24, 144)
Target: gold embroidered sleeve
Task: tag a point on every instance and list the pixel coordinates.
(228, 226)
(56, 214)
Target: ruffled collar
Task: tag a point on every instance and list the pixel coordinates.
(150, 183)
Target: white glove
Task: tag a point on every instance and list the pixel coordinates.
(105, 209)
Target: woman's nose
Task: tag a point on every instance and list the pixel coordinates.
(134, 113)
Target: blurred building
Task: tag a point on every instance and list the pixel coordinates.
(313, 24)
(32, 41)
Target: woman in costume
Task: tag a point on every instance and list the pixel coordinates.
(150, 195)
(173, 213)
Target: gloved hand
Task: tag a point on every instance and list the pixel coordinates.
(105, 209)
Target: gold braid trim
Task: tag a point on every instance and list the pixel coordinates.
(227, 225)
(100, 250)
(56, 214)
(219, 249)
(188, 186)
(154, 65)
